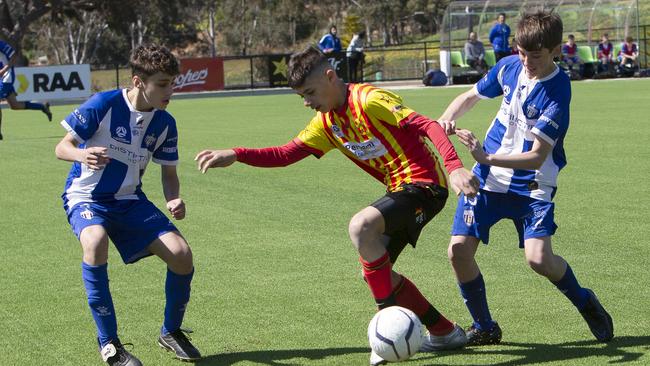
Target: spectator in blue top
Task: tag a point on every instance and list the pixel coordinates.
(499, 37)
(330, 43)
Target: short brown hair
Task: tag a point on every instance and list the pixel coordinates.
(149, 59)
(539, 30)
(303, 63)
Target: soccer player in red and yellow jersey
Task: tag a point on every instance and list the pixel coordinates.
(385, 138)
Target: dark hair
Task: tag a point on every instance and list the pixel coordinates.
(149, 59)
(539, 30)
(629, 39)
(303, 63)
(362, 34)
(571, 36)
(500, 14)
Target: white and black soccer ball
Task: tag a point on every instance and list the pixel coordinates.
(395, 333)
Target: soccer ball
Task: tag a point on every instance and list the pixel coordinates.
(395, 333)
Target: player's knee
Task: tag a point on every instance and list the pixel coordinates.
(539, 265)
(459, 252)
(362, 228)
(182, 259)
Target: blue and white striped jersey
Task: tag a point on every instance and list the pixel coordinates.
(6, 53)
(530, 109)
(132, 138)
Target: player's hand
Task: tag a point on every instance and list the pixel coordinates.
(215, 159)
(95, 157)
(448, 126)
(463, 181)
(177, 208)
(468, 139)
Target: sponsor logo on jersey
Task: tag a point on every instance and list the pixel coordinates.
(120, 131)
(366, 150)
(506, 90)
(79, 116)
(549, 122)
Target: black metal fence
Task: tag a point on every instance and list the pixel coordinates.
(402, 62)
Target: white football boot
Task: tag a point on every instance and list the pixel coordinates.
(454, 340)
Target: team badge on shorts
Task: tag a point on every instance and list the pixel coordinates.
(86, 214)
(468, 217)
(419, 215)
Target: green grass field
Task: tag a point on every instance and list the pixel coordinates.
(277, 281)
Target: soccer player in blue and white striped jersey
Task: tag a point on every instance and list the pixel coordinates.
(518, 166)
(111, 138)
(7, 78)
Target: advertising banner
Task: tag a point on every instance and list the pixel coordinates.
(52, 82)
(200, 74)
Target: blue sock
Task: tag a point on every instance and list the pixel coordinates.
(34, 106)
(570, 287)
(476, 301)
(100, 301)
(177, 292)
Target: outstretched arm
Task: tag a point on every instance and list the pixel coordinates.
(460, 178)
(270, 157)
(456, 109)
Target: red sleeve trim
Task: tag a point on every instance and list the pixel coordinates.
(432, 130)
(271, 157)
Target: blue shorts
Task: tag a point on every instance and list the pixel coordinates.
(132, 225)
(475, 216)
(6, 89)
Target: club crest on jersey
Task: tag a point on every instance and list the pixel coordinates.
(149, 140)
(531, 111)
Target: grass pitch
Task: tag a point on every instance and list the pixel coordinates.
(277, 281)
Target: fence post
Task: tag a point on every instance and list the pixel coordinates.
(252, 81)
(117, 76)
(426, 61)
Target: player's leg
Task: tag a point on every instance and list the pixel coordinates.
(89, 223)
(15, 104)
(472, 221)
(172, 248)
(400, 216)
(94, 242)
(540, 257)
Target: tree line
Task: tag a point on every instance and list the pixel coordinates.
(104, 32)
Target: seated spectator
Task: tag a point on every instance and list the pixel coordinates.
(475, 54)
(605, 54)
(330, 43)
(627, 58)
(570, 55)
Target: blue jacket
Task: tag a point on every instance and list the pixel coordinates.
(499, 37)
(330, 41)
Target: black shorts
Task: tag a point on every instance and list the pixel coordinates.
(406, 211)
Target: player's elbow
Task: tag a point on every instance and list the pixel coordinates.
(537, 161)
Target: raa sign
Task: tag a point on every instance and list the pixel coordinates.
(52, 82)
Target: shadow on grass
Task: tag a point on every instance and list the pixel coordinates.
(278, 357)
(537, 353)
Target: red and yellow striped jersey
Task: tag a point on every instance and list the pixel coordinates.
(372, 130)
